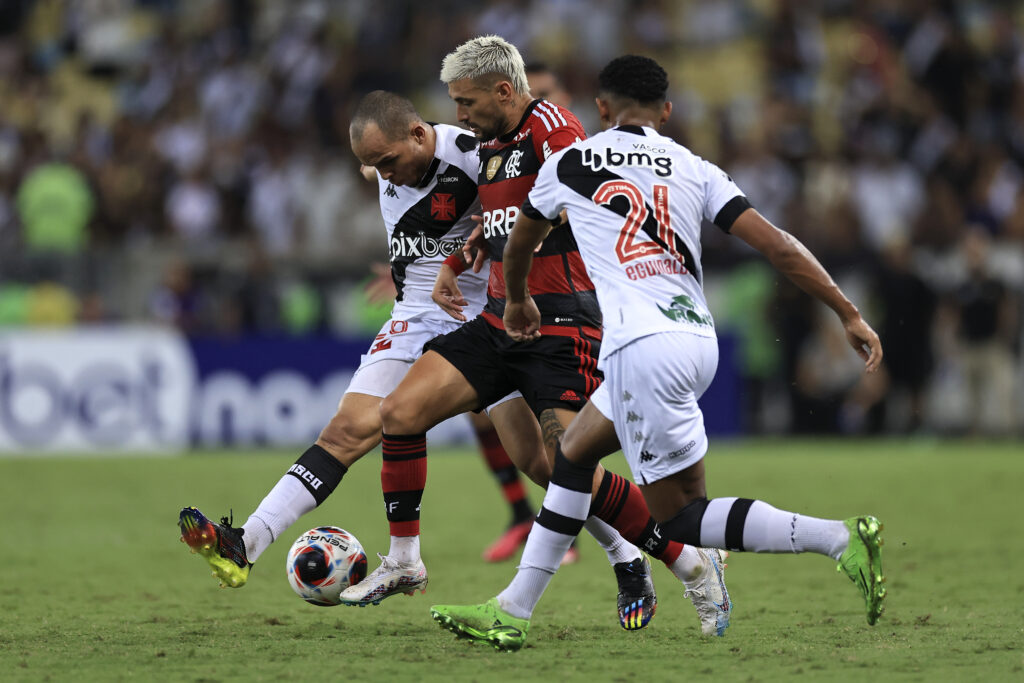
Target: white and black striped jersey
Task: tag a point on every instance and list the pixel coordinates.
(636, 201)
(428, 222)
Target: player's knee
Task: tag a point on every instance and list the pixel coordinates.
(348, 438)
(538, 470)
(685, 526)
(401, 415)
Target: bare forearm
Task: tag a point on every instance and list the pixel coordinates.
(797, 263)
(793, 260)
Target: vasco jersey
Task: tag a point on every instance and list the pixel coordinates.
(508, 168)
(636, 201)
(431, 221)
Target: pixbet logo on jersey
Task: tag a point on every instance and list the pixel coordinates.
(498, 223)
(421, 246)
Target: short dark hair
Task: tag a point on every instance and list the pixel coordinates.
(634, 77)
(538, 68)
(390, 112)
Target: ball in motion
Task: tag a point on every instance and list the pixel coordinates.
(323, 562)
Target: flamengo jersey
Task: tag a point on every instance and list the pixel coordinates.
(508, 168)
(431, 221)
(636, 200)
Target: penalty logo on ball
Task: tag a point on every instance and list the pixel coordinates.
(323, 562)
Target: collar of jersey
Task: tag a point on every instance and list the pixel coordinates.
(428, 176)
(511, 135)
(635, 130)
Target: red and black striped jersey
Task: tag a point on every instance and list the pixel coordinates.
(558, 280)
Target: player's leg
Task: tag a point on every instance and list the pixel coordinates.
(504, 620)
(432, 391)
(745, 524)
(512, 489)
(351, 433)
(354, 430)
(668, 461)
(305, 485)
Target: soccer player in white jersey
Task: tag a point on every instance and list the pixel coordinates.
(636, 200)
(427, 175)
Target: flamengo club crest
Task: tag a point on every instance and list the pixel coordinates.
(442, 206)
(492, 166)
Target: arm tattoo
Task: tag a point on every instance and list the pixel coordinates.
(551, 428)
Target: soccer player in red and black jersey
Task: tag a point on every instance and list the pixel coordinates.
(478, 364)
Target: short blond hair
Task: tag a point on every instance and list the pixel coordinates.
(486, 56)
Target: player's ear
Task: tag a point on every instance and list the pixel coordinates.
(418, 132)
(665, 113)
(603, 112)
(504, 91)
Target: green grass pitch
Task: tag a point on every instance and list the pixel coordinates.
(94, 584)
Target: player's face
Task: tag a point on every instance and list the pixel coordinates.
(478, 108)
(402, 161)
(544, 86)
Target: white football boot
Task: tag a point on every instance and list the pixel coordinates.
(390, 578)
(709, 595)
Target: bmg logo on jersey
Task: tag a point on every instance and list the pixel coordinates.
(641, 159)
(498, 223)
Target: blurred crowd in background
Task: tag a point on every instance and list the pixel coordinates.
(188, 162)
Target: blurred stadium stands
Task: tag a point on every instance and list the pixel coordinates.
(187, 163)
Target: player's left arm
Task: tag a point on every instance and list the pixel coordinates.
(796, 262)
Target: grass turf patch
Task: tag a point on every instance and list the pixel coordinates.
(95, 586)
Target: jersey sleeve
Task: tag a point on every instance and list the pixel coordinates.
(544, 201)
(556, 129)
(724, 201)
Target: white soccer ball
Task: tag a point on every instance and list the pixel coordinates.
(323, 562)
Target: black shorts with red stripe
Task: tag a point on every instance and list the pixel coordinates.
(559, 370)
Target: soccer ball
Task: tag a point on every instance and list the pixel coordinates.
(323, 562)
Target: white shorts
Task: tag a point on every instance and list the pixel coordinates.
(393, 351)
(650, 392)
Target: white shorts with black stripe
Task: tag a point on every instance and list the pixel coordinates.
(650, 392)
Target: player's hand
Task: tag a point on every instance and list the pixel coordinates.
(382, 287)
(446, 293)
(522, 320)
(865, 342)
(475, 248)
(368, 172)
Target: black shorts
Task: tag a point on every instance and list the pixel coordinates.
(556, 371)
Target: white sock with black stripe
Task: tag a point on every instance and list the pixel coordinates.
(755, 526)
(560, 520)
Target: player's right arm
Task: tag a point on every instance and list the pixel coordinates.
(522, 317)
(796, 262)
(447, 294)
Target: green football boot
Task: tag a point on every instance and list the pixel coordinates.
(486, 623)
(220, 544)
(862, 562)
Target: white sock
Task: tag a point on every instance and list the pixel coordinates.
(405, 549)
(615, 546)
(687, 567)
(524, 592)
(544, 550)
(825, 536)
(286, 502)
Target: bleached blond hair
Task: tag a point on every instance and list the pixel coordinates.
(486, 56)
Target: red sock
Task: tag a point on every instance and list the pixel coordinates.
(503, 468)
(403, 476)
(620, 503)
